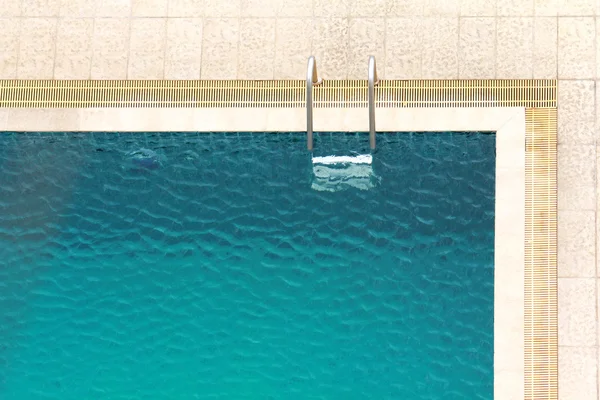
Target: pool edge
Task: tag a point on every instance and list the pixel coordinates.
(522, 111)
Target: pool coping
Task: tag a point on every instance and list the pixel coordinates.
(525, 313)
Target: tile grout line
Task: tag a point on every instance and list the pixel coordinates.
(92, 44)
(347, 52)
(385, 24)
(420, 52)
(55, 47)
(20, 22)
(237, 52)
(277, 12)
(166, 18)
(533, 36)
(239, 37)
(596, 208)
(596, 204)
(458, 49)
(201, 47)
(558, 347)
(556, 69)
(42, 16)
(129, 43)
(496, 45)
(457, 70)
(166, 42)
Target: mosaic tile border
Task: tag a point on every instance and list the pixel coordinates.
(539, 93)
(541, 278)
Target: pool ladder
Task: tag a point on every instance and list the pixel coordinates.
(312, 79)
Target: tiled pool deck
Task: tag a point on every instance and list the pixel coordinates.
(412, 39)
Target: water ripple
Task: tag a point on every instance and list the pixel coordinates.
(149, 266)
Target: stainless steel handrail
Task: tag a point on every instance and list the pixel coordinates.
(372, 82)
(311, 79)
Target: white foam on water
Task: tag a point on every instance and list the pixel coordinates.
(328, 160)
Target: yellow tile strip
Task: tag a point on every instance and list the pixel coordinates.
(541, 283)
(537, 96)
(280, 94)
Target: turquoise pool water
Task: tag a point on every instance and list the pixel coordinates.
(208, 266)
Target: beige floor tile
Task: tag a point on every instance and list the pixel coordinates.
(545, 48)
(147, 48)
(374, 8)
(40, 8)
(576, 7)
(260, 8)
(257, 48)
(9, 47)
(331, 8)
(184, 48)
(10, 8)
(576, 244)
(186, 8)
(515, 8)
(406, 8)
(222, 9)
(403, 48)
(296, 8)
(149, 8)
(37, 48)
(477, 48)
(478, 8)
(114, 8)
(446, 8)
(110, 48)
(546, 8)
(78, 8)
(576, 177)
(293, 44)
(514, 59)
(220, 48)
(576, 48)
(577, 373)
(366, 38)
(577, 311)
(440, 48)
(330, 46)
(74, 48)
(576, 112)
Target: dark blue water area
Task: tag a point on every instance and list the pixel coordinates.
(226, 266)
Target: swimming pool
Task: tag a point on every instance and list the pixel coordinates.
(214, 269)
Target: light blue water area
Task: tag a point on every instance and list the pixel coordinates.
(208, 266)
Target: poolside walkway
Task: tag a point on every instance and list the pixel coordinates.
(412, 39)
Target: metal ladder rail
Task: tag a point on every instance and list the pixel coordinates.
(371, 92)
(311, 79)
